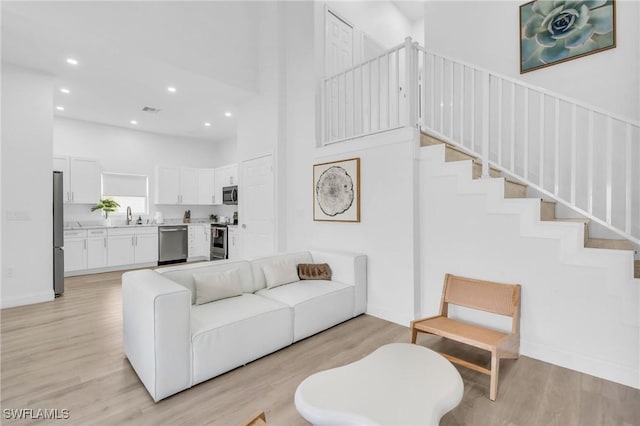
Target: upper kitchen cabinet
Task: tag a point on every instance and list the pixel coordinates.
(81, 179)
(206, 186)
(175, 185)
(188, 186)
(167, 185)
(225, 176)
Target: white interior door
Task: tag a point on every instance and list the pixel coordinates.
(256, 199)
(338, 57)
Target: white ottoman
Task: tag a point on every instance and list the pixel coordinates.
(397, 384)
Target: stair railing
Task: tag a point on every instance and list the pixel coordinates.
(579, 155)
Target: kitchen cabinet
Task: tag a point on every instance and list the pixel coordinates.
(225, 176)
(130, 246)
(81, 179)
(75, 251)
(120, 250)
(206, 186)
(199, 240)
(188, 186)
(234, 243)
(175, 185)
(193, 186)
(96, 248)
(167, 185)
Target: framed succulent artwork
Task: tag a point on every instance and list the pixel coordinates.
(554, 31)
(336, 191)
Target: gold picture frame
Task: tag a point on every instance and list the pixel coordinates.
(554, 32)
(336, 191)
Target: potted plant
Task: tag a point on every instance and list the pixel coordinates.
(107, 206)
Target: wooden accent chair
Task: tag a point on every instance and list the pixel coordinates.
(258, 419)
(503, 299)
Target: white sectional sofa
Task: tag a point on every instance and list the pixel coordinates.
(173, 343)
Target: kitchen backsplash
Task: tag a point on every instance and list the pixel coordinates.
(84, 215)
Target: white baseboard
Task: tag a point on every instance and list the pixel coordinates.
(578, 362)
(398, 318)
(27, 299)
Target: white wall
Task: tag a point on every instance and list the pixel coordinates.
(27, 225)
(484, 33)
(381, 20)
(579, 306)
(385, 233)
(129, 151)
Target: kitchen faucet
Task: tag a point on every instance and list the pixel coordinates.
(129, 217)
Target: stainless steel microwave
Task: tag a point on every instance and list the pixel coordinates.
(230, 194)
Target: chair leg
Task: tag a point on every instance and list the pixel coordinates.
(414, 335)
(495, 367)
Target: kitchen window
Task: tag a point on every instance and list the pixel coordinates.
(128, 191)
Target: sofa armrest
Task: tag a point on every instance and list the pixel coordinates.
(157, 331)
(347, 268)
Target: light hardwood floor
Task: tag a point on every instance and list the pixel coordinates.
(67, 354)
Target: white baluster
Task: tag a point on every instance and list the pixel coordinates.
(542, 131)
(513, 127)
(628, 201)
(590, 164)
(556, 152)
(485, 123)
(574, 137)
(526, 133)
(609, 168)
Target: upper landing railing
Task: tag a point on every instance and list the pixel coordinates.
(579, 155)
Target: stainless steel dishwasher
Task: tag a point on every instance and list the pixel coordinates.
(173, 244)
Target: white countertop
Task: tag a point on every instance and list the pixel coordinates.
(144, 225)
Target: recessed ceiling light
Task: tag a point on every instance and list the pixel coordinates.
(133, 122)
(72, 61)
(227, 114)
(65, 90)
(60, 108)
(207, 124)
(171, 89)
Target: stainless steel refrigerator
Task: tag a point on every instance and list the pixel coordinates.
(58, 234)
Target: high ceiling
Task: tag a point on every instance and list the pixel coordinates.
(129, 53)
(413, 10)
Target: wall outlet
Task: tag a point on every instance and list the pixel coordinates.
(9, 272)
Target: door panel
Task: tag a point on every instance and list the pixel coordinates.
(257, 215)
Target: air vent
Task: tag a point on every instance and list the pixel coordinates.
(150, 109)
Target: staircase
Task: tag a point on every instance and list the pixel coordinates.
(515, 189)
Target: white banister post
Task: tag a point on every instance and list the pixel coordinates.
(416, 85)
(485, 124)
(409, 89)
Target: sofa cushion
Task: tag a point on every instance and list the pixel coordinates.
(314, 271)
(228, 333)
(280, 272)
(317, 304)
(257, 265)
(216, 285)
(183, 274)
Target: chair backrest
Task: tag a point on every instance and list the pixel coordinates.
(503, 299)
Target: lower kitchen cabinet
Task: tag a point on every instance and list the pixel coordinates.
(130, 246)
(120, 250)
(199, 241)
(146, 247)
(75, 251)
(99, 250)
(234, 243)
(96, 248)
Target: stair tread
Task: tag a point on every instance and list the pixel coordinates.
(603, 243)
(570, 219)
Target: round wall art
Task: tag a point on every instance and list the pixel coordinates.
(336, 191)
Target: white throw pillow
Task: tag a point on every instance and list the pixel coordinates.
(280, 272)
(211, 286)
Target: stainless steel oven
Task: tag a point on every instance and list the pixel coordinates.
(218, 242)
(173, 244)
